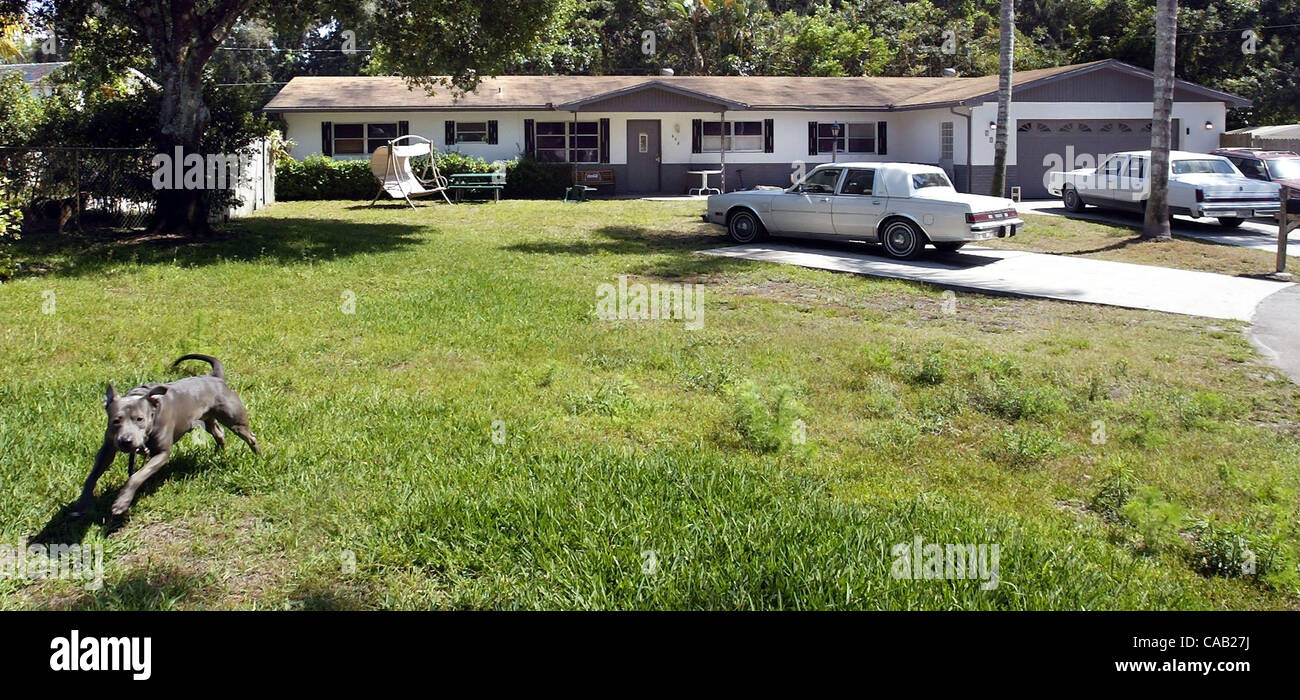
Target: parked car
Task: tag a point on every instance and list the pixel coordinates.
(1200, 184)
(902, 206)
(1282, 167)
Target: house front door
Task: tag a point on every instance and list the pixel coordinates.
(643, 155)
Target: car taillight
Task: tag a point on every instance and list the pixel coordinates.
(973, 218)
(1200, 195)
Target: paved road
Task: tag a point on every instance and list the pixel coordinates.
(1039, 275)
(1252, 234)
(1275, 331)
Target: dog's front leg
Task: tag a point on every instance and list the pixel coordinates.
(102, 461)
(130, 466)
(127, 494)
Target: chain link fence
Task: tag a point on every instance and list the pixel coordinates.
(76, 186)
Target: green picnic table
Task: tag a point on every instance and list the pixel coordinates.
(460, 182)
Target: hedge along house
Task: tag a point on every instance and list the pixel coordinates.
(651, 131)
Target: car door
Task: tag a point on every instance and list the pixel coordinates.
(806, 208)
(1130, 188)
(1110, 185)
(858, 207)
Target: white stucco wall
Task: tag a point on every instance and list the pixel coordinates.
(911, 136)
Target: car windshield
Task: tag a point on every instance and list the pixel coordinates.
(923, 180)
(1284, 168)
(1202, 165)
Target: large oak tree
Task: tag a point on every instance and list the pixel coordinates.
(435, 44)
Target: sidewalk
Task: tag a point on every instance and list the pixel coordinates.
(1039, 275)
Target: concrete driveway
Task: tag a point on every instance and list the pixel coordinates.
(1252, 234)
(1021, 273)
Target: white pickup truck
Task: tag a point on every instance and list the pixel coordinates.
(1199, 185)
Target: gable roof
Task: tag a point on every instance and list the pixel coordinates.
(580, 92)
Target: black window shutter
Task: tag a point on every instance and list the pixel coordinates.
(403, 128)
(769, 136)
(604, 140)
(327, 138)
(492, 131)
(697, 136)
(882, 143)
(530, 138)
(449, 132)
(812, 138)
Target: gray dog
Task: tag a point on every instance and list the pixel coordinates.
(150, 418)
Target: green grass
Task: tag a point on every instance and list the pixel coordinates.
(643, 465)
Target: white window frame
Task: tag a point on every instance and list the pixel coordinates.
(461, 131)
(571, 146)
(366, 139)
(946, 141)
(747, 143)
(825, 144)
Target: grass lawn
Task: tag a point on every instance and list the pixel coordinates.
(1045, 233)
(473, 436)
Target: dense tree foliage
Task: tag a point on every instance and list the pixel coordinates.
(885, 37)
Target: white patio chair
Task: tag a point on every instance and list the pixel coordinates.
(391, 166)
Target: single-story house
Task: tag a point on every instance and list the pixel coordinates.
(651, 131)
(39, 77)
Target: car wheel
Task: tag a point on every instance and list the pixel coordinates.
(1070, 197)
(1230, 221)
(950, 247)
(744, 227)
(902, 239)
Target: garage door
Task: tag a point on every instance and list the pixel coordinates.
(1045, 145)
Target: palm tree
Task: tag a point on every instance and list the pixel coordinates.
(1006, 55)
(1156, 226)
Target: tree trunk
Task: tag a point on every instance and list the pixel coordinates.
(1006, 56)
(1156, 226)
(182, 117)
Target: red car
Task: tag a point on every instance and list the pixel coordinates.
(1282, 167)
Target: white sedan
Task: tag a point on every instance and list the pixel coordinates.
(1199, 185)
(902, 206)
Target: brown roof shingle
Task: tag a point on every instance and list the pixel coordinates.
(318, 94)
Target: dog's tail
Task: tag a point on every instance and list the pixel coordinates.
(218, 370)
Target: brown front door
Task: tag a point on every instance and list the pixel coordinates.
(643, 155)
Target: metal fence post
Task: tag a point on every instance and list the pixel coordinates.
(1283, 228)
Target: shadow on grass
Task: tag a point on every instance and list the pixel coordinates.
(275, 240)
(684, 247)
(65, 528)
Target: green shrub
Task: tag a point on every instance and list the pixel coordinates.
(766, 423)
(1157, 520)
(933, 369)
(529, 178)
(322, 177)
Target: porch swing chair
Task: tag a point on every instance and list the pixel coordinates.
(391, 165)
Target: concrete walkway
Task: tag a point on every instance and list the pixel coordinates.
(1275, 331)
(1251, 234)
(1039, 275)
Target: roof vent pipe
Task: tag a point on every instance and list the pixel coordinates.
(665, 71)
(950, 72)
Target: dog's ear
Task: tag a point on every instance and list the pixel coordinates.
(155, 395)
(110, 395)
